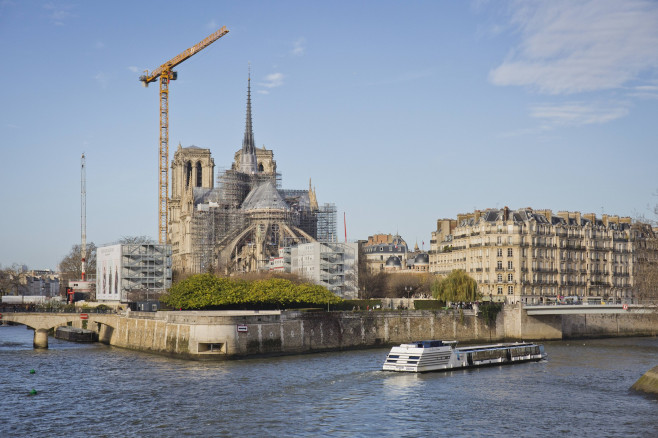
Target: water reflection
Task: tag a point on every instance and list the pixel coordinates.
(582, 390)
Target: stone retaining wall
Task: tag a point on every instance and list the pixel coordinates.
(223, 335)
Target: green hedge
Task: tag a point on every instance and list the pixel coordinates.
(206, 291)
(429, 304)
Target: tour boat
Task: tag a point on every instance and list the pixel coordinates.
(422, 356)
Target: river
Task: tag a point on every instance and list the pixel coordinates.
(96, 390)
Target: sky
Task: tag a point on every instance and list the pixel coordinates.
(401, 113)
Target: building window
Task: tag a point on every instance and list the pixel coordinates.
(499, 265)
(509, 252)
(510, 290)
(199, 174)
(500, 290)
(499, 252)
(510, 265)
(500, 278)
(510, 277)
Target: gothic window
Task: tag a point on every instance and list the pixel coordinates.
(188, 173)
(260, 167)
(199, 180)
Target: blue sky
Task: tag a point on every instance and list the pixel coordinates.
(400, 112)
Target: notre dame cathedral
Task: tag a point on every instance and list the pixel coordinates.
(237, 224)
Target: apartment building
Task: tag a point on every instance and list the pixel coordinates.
(534, 256)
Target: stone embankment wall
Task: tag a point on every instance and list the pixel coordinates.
(231, 334)
(596, 326)
(217, 335)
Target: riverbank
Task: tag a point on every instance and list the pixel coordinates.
(220, 335)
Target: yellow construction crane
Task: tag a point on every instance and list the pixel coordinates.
(166, 74)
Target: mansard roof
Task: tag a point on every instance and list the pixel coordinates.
(526, 215)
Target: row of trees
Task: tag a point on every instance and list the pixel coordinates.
(385, 285)
(207, 291)
(458, 286)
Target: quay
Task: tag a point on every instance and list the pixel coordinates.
(220, 335)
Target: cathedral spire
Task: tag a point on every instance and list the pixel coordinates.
(248, 162)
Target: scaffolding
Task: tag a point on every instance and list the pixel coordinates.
(240, 201)
(326, 223)
(145, 266)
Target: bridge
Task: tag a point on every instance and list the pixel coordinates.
(43, 322)
(588, 309)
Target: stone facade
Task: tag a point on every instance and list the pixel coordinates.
(191, 167)
(385, 252)
(534, 256)
(237, 225)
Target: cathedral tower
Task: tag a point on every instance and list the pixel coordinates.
(192, 168)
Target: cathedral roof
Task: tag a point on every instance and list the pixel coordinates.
(264, 197)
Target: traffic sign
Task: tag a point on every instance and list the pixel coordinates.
(84, 316)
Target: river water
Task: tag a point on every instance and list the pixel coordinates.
(96, 390)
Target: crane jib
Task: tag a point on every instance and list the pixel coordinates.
(148, 78)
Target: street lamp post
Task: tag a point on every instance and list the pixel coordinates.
(408, 289)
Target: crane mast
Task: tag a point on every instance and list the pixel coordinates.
(83, 216)
(166, 74)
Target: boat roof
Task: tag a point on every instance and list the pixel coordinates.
(429, 344)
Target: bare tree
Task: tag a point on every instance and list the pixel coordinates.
(646, 263)
(403, 285)
(10, 282)
(70, 268)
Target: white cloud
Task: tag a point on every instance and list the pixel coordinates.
(299, 47)
(569, 47)
(134, 69)
(645, 92)
(272, 80)
(102, 79)
(578, 113)
(58, 13)
(212, 25)
(99, 45)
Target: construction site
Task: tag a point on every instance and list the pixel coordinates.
(235, 222)
(238, 221)
(239, 225)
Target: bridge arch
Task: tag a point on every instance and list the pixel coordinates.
(42, 323)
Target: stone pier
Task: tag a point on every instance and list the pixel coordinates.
(40, 338)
